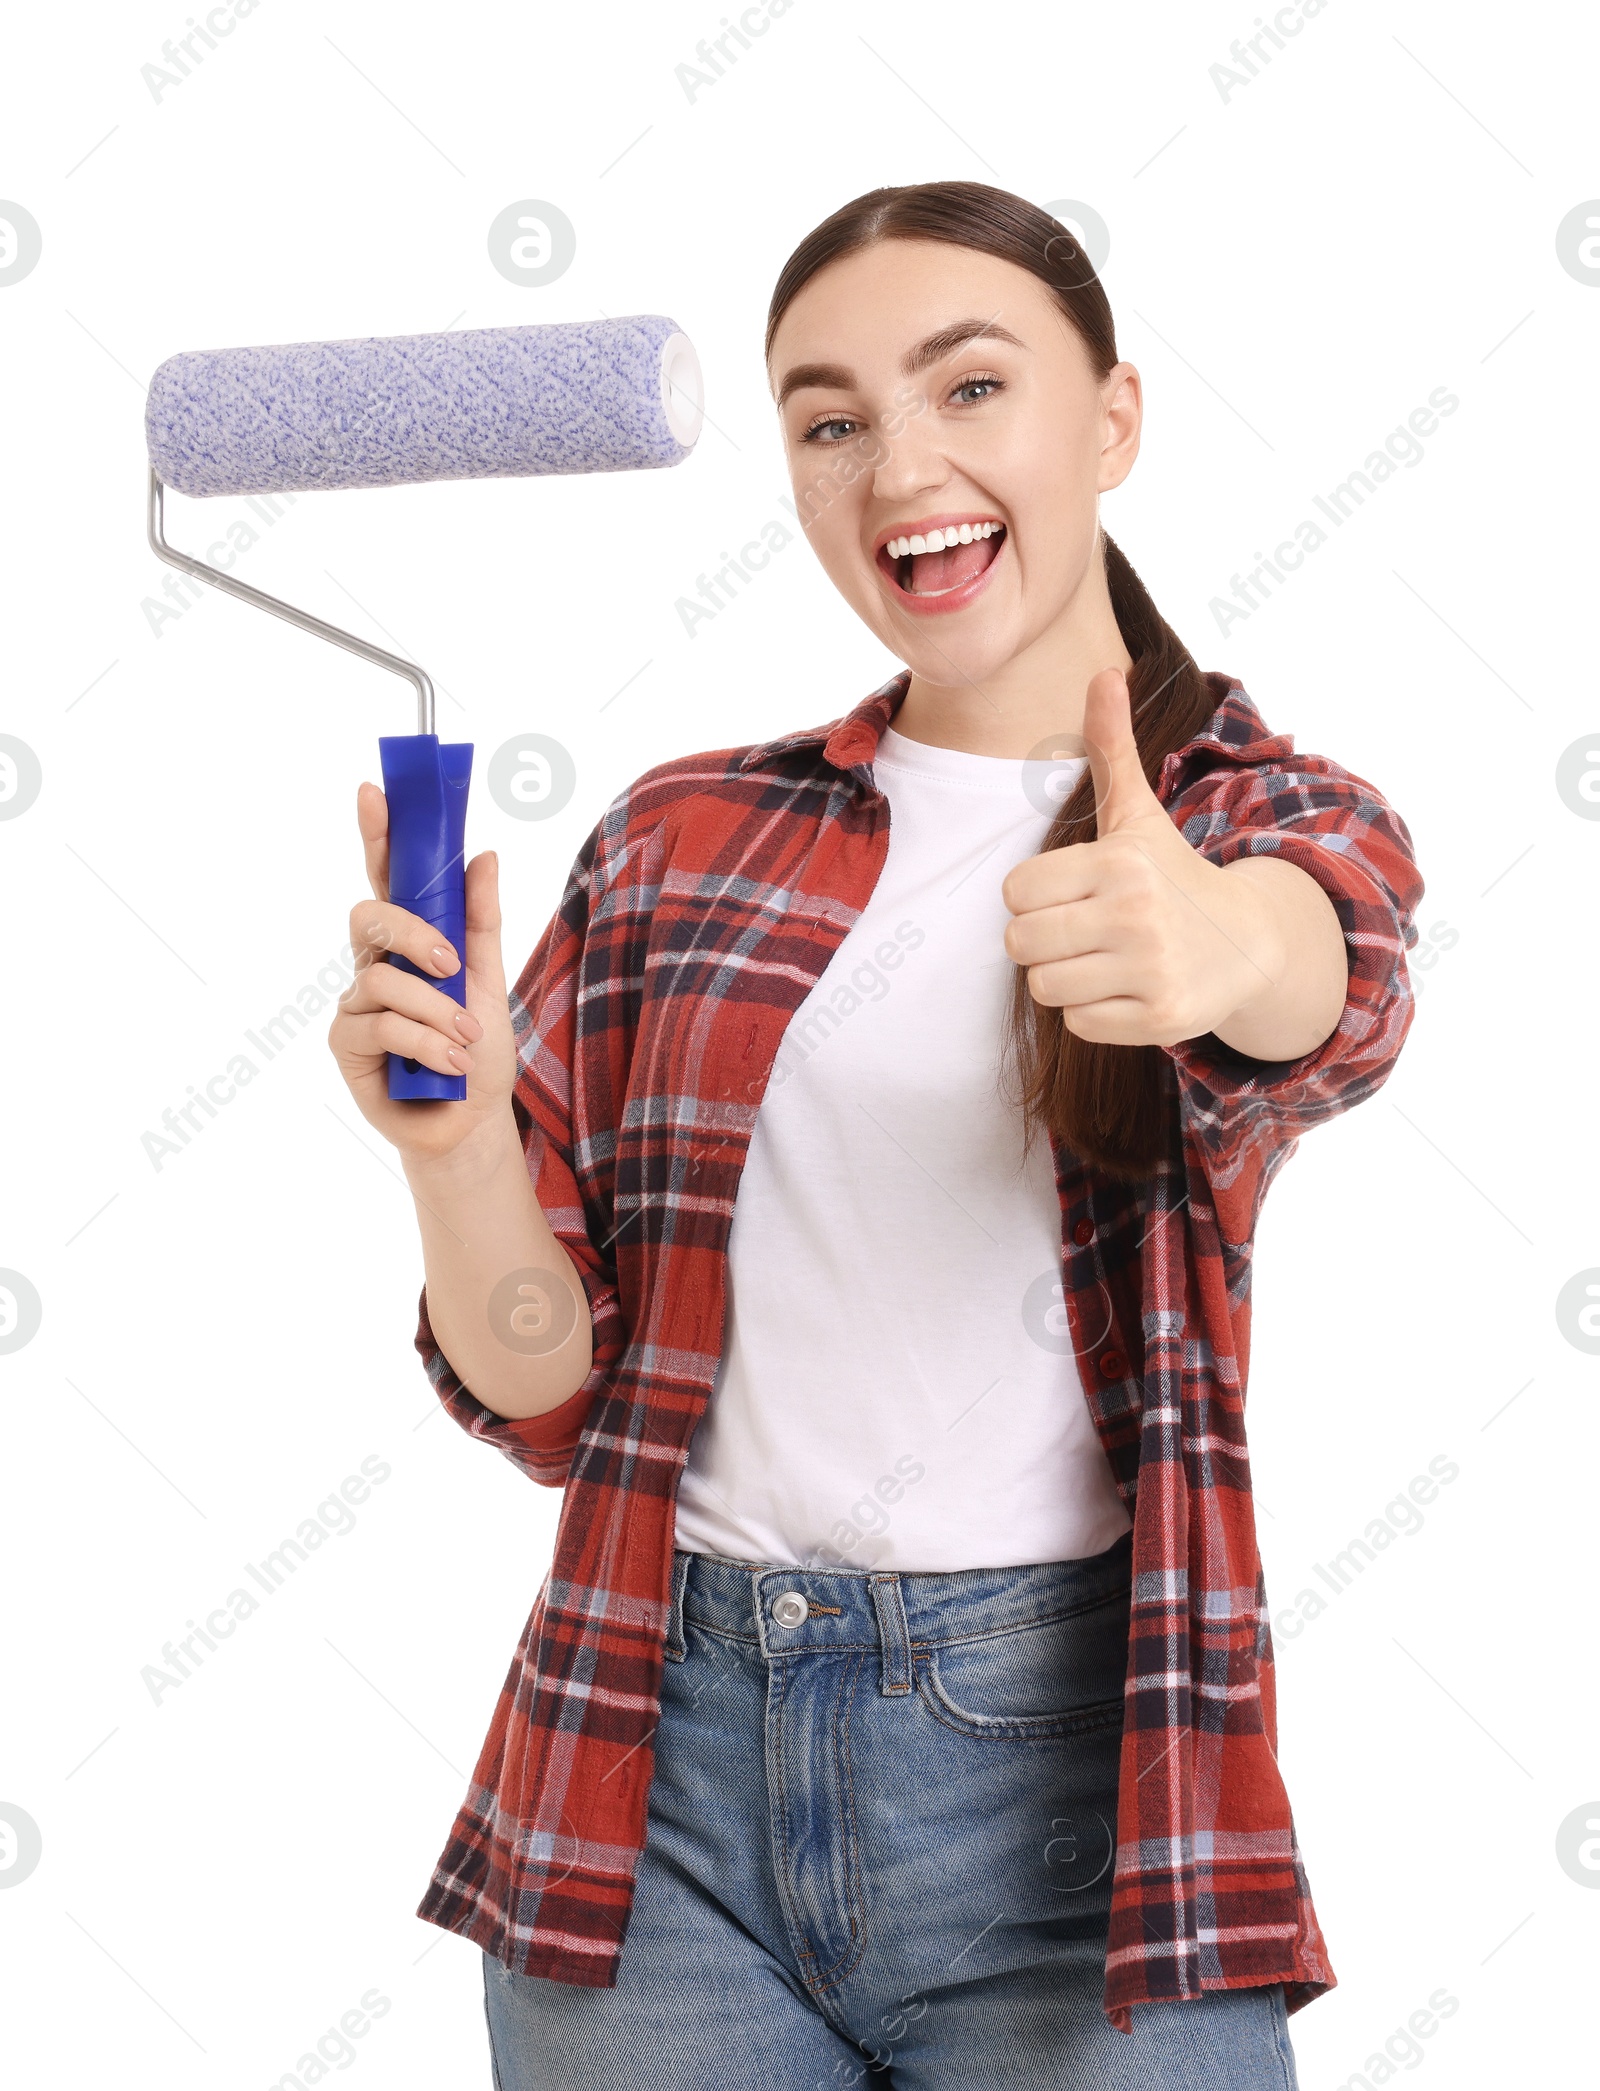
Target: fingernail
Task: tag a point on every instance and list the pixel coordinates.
(444, 958)
(461, 1060)
(468, 1025)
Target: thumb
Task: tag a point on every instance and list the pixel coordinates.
(1121, 790)
(483, 955)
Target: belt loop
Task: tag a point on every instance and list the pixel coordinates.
(674, 1648)
(894, 1633)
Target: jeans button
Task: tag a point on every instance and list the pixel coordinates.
(789, 1609)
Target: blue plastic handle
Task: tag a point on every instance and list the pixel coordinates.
(426, 786)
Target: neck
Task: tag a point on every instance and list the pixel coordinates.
(1037, 693)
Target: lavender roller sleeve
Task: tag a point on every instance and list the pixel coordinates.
(396, 410)
(617, 395)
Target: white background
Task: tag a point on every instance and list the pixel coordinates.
(1293, 270)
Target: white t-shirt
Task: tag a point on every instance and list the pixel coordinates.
(897, 1386)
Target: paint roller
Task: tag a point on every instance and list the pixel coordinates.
(615, 395)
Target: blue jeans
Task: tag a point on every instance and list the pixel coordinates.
(881, 1831)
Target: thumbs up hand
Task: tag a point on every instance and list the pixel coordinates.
(1137, 938)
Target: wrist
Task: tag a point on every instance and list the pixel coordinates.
(1253, 924)
(475, 1160)
(1300, 948)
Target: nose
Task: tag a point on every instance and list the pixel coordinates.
(909, 458)
(913, 466)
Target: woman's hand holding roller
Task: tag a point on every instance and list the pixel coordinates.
(388, 1010)
(1140, 940)
(488, 1250)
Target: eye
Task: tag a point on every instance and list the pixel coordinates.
(996, 384)
(814, 433)
(979, 379)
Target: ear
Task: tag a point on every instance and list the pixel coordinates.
(1124, 410)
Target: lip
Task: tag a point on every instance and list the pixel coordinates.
(954, 598)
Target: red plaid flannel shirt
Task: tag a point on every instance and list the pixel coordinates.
(700, 912)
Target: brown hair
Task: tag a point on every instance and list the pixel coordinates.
(1111, 1104)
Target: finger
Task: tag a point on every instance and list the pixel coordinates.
(1041, 934)
(381, 926)
(1051, 879)
(485, 961)
(388, 987)
(372, 817)
(1119, 1020)
(387, 1031)
(1068, 983)
(1121, 789)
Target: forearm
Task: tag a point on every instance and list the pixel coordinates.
(1284, 922)
(480, 1224)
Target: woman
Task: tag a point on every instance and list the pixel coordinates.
(900, 1699)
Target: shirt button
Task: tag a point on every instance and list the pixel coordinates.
(789, 1609)
(1113, 1364)
(1083, 1233)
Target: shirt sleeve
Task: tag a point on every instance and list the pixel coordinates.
(568, 1052)
(1341, 831)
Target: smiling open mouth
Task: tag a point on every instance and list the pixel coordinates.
(956, 566)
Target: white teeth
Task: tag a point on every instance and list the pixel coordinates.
(939, 540)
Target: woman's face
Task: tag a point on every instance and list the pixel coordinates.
(893, 433)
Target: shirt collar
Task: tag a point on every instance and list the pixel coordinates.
(1235, 729)
(844, 742)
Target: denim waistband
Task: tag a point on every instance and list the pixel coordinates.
(893, 1610)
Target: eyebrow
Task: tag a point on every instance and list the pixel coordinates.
(933, 349)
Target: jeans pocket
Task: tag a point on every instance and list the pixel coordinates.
(1058, 1676)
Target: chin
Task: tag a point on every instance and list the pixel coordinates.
(955, 659)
